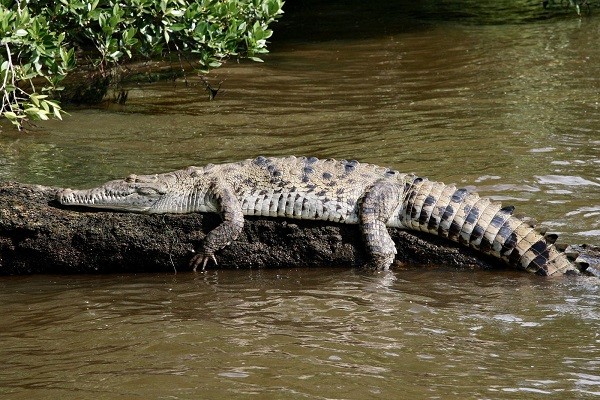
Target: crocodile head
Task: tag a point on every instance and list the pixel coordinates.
(143, 193)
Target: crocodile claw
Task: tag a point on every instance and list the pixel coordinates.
(203, 259)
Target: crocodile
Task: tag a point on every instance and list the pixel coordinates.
(374, 197)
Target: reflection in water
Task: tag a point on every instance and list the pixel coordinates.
(510, 109)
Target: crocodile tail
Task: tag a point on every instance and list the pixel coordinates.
(477, 222)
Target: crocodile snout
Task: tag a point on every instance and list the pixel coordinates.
(63, 195)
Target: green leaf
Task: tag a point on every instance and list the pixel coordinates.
(42, 115)
(21, 32)
(116, 55)
(10, 115)
(178, 27)
(175, 13)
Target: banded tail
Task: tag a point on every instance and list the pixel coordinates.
(477, 222)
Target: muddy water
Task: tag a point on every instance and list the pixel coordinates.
(316, 334)
(511, 110)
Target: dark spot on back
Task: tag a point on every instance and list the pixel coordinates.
(445, 217)
(413, 213)
(472, 216)
(551, 238)
(322, 193)
(454, 230)
(540, 262)
(508, 209)
(429, 201)
(410, 199)
(308, 170)
(448, 213)
(390, 172)
(424, 216)
(327, 175)
(514, 257)
(433, 223)
(311, 160)
(509, 244)
(459, 195)
(261, 161)
(485, 245)
(477, 233)
(540, 247)
(498, 220)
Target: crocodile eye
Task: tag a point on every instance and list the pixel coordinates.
(131, 178)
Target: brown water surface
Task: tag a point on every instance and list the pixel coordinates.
(512, 110)
(313, 333)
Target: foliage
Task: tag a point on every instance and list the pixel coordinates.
(579, 5)
(28, 51)
(43, 41)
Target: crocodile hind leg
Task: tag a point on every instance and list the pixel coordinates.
(227, 231)
(375, 210)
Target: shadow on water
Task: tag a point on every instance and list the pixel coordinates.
(317, 20)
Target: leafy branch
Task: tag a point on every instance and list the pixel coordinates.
(30, 54)
(40, 41)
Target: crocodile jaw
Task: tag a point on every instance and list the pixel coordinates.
(117, 195)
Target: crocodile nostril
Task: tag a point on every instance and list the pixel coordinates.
(63, 194)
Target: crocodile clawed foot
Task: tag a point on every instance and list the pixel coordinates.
(202, 259)
(380, 262)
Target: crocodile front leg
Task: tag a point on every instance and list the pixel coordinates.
(375, 210)
(227, 231)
